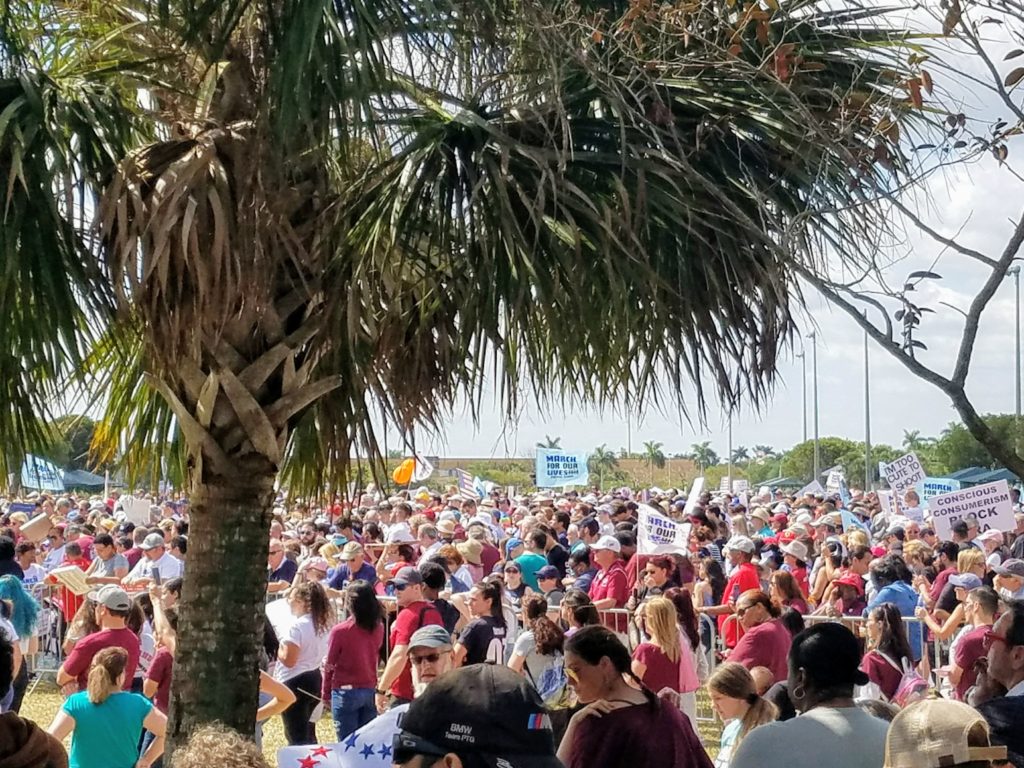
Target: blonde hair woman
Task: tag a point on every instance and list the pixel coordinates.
(662, 663)
(105, 722)
(735, 700)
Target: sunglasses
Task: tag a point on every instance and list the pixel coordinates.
(430, 658)
(406, 746)
(401, 588)
(740, 611)
(990, 638)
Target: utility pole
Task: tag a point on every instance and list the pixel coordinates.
(803, 390)
(867, 415)
(1015, 271)
(814, 374)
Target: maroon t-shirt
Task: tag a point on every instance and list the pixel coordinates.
(351, 657)
(638, 735)
(661, 671)
(968, 651)
(490, 556)
(882, 673)
(81, 656)
(133, 556)
(766, 645)
(160, 673)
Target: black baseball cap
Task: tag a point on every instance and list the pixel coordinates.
(485, 710)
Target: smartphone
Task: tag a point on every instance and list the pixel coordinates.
(156, 577)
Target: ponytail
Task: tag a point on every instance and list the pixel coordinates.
(594, 643)
(107, 666)
(735, 681)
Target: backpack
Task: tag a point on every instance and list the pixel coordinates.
(553, 685)
(449, 614)
(912, 687)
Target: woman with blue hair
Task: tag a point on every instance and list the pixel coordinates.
(24, 615)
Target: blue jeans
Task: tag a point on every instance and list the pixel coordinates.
(147, 739)
(351, 710)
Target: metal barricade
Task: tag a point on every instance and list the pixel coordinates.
(618, 620)
(49, 634)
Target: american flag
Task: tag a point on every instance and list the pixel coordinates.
(466, 485)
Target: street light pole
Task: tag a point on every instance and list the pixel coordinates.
(814, 375)
(1015, 271)
(867, 414)
(730, 450)
(803, 390)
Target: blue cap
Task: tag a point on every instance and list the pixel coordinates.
(512, 544)
(965, 580)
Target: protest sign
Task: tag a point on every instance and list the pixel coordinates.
(135, 510)
(813, 488)
(658, 534)
(35, 530)
(691, 500)
(41, 474)
(22, 506)
(989, 503)
(739, 486)
(888, 503)
(556, 467)
(725, 485)
(835, 477)
(72, 578)
(935, 486)
(904, 473)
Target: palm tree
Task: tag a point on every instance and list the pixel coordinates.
(703, 455)
(312, 213)
(763, 452)
(551, 443)
(912, 440)
(740, 454)
(653, 457)
(603, 460)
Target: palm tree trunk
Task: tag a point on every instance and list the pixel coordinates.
(216, 668)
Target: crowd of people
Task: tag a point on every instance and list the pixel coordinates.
(446, 629)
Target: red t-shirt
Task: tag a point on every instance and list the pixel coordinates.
(743, 578)
(661, 671)
(968, 650)
(68, 601)
(611, 582)
(81, 656)
(800, 574)
(160, 673)
(351, 657)
(881, 672)
(409, 619)
(766, 645)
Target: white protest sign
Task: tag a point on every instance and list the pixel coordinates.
(738, 486)
(904, 473)
(885, 502)
(989, 503)
(813, 489)
(725, 484)
(695, 491)
(658, 534)
(835, 479)
(135, 510)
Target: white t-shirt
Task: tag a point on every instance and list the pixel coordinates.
(312, 649)
(850, 737)
(34, 574)
(147, 650)
(169, 566)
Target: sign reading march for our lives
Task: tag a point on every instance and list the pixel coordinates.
(556, 467)
(989, 503)
(931, 487)
(41, 475)
(660, 535)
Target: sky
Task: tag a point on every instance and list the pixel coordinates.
(977, 204)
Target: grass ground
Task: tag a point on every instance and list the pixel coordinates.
(41, 705)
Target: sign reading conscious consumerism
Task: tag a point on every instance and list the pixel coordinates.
(556, 467)
(990, 504)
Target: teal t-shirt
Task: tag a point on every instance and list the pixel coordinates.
(530, 563)
(106, 735)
